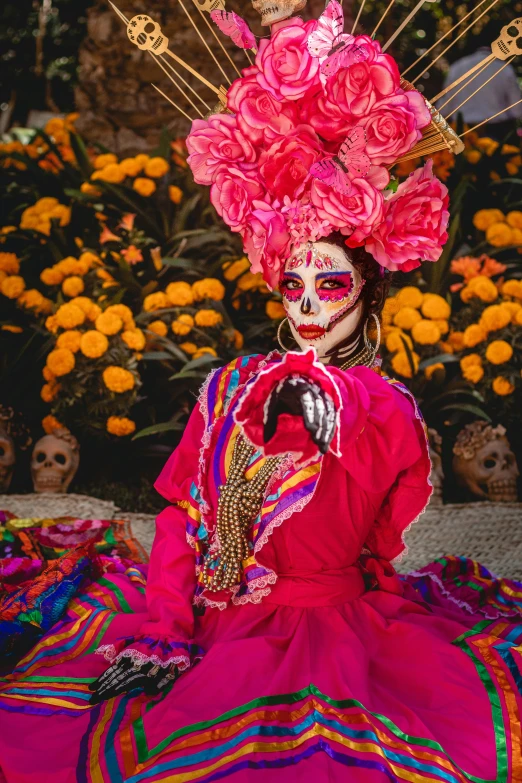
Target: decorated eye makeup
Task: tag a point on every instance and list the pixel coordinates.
(291, 287)
(334, 287)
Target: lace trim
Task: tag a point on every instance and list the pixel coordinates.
(202, 600)
(137, 657)
(418, 416)
(252, 598)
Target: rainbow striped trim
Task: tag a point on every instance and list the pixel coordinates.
(279, 731)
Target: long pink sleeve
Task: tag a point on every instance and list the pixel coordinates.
(379, 440)
(167, 635)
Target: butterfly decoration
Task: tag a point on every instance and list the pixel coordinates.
(334, 48)
(235, 27)
(350, 162)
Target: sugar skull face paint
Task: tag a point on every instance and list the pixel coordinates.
(321, 294)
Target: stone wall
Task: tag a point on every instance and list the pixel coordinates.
(118, 106)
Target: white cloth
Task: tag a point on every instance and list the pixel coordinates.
(501, 92)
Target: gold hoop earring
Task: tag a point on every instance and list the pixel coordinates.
(373, 349)
(279, 340)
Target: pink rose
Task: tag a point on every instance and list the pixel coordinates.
(259, 114)
(286, 68)
(360, 210)
(265, 240)
(414, 225)
(393, 126)
(286, 165)
(325, 117)
(215, 144)
(357, 88)
(232, 195)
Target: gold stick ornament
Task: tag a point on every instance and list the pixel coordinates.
(507, 45)
(406, 22)
(181, 111)
(221, 6)
(452, 43)
(439, 40)
(205, 44)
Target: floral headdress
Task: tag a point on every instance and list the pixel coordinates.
(302, 143)
(302, 151)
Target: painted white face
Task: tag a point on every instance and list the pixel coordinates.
(321, 292)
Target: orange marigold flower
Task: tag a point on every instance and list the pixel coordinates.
(109, 323)
(13, 286)
(175, 194)
(156, 167)
(50, 424)
(208, 318)
(275, 310)
(134, 339)
(208, 288)
(158, 327)
(145, 187)
(474, 335)
(180, 294)
(49, 391)
(73, 286)
(156, 301)
(118, 379)
(206, 349)
(9, 263)
(473, 374)
(93, 344)
(499, 352)
(120, 426)
(61, 361)
(401, 364)
(69, 316)
(182, 325)
(502, 386)
(70, 339)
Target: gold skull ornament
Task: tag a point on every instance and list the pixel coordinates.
(273, 11)
(509, 42)
(209, 5)
(147, 35)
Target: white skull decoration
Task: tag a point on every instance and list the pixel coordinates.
(209, 5)
(485, 464)
(7, 458)
(509, 42)
(437, 474)
(273, 11)
(147, 35)
(55, 461)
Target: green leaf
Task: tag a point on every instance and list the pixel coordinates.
(154, 429)
(467, 408)
(179, 263)
(441, 358)
(156, 356)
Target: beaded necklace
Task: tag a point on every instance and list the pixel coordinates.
(240, 501)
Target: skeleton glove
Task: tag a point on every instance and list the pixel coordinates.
(299, 396)
(124, 676)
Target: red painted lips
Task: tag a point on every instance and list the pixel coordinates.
(311, 331)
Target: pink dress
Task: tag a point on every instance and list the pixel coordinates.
(324, 665)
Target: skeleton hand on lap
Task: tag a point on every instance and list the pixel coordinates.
(126, 675)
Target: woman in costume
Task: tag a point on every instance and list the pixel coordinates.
(275, 641)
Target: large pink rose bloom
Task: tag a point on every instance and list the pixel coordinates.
(355, 90)
(266, 240)
(325, 117)
(393, 126)
(415, 222)
(260, 115)
(286, 164)
(286, 68)
(232, 195)
(360, 210)
(215, 144)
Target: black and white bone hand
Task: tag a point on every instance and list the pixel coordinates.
(126, 675)
(300, 396)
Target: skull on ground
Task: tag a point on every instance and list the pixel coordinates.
(273, 11)
(55, 461)
(485, 465)
(7, 458)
